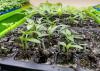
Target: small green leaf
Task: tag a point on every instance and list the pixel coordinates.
(30, 39)
(51, 29)
(68, 34)
(34, 40)
(43, 35)
(59, 11)
(62, 43)
(75, 46)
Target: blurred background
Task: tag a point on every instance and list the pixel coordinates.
(77, 3)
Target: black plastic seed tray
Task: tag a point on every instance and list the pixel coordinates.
(13, 65)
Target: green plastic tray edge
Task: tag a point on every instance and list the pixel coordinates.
(15, 25)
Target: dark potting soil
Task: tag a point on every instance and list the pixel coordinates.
(88, 36)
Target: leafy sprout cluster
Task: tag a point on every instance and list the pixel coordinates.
(36, 34)
(65, 13)
(41, 28)
(10, 4)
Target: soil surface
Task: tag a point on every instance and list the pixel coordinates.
(87, 35)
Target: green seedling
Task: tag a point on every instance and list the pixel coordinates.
(67, 33)
(33, 34)
(68, 46)
(69, 40)
(38, 29)
(53, 27)
(5, 5)
(59, 12)
(49, 9)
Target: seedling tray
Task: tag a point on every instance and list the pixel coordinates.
(95, 14)
(7, 11)
(98, 9)
(7, 15)
(16, 18)
(12, 65)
